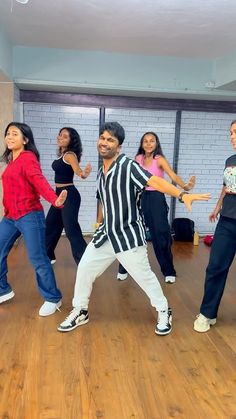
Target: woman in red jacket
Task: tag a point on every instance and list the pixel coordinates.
(23, 183)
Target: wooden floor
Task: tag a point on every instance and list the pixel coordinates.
(115, 367)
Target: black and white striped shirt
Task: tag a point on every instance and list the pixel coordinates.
(119, 192)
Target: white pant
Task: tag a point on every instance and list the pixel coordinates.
(96, 260)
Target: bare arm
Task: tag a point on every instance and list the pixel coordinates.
(162, 185)
(99, 214)
(61, 198)
(34, 175)
(213, 216)
(163, 163)
(73, 161)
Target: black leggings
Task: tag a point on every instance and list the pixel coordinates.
(155, 210)
(222, 255)
(67, 218)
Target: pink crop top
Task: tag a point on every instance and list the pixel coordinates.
(153, 168)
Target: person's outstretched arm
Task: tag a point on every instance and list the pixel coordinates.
(162, 185)
(35, 177)
(71, 158)
(163, 163)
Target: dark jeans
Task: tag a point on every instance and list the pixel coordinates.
(66, 218)
(32, 228)
(155, 210)
(221, 257)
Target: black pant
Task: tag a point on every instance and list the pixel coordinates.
(222, 254)
(155, 210)
(66, 218)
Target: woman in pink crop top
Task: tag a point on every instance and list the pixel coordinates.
(68, 164)
(151, 158)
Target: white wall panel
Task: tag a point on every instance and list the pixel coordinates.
(138, 121)
(46, 120)
(204, 147)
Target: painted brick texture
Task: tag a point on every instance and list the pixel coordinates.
(204, 146)
(46, 121)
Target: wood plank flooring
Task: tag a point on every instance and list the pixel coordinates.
(115, 367)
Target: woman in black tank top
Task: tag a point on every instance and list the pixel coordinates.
(67, 164)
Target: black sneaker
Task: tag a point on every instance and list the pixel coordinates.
(164, 322)
(76, 318)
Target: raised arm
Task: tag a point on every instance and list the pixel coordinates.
(162, 185)
(213, 216)
(163, 163)
(71, 159)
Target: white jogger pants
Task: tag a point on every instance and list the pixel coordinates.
(96, 260)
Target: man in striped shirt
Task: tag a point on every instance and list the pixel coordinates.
(121, 233)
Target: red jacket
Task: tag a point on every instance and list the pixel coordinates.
(23, 183)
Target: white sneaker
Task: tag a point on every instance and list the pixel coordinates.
(202, 324)
(121, 277)
(76, 318)
(171, 279)
(49, 308)
(164, 322)
(6, 297)
(53, 261)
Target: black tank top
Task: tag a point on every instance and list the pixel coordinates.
(63, 171)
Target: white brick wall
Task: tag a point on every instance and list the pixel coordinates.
(17, 106)
(45, 121)
(138, 121)
(204, 147)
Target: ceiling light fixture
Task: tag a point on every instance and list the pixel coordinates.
(22, 1)
(18, 1)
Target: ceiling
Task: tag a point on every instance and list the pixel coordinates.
(180, 28)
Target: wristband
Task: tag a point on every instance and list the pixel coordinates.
(180, 197)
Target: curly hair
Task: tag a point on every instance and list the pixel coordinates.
(75, 144)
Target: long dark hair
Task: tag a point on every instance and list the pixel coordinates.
(28, 137)
(158, 149)
(74, 145)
